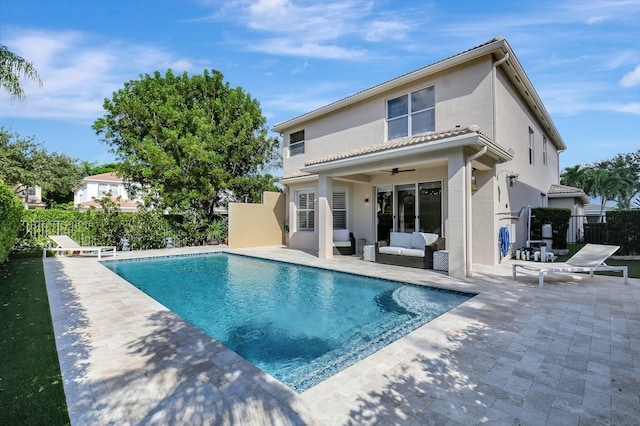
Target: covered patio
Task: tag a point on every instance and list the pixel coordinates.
(427, 183)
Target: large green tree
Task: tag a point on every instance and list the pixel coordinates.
(188, 139)
(25, 163)
(12, 67)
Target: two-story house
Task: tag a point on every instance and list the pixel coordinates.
(110, 185)
(459, 148)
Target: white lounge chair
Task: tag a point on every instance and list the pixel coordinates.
(65, 244)
(589, 258)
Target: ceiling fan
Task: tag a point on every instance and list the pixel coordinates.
(396, 170)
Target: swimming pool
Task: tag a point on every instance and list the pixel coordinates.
(299, 324)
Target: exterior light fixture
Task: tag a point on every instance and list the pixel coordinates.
(512, 177)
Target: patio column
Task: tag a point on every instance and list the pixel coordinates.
(456, 226)
(325, 217)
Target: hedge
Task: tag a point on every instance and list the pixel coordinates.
(11, 211)
(107, 226)
(623, 229)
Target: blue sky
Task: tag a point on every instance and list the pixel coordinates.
(582, 56)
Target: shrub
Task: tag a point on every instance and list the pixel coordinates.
(11, 211)
(146, 230)
(623, 229)
(558, 218)
(52, 215)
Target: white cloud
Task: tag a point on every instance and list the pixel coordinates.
(631, 79)
(79, 71)
(631, 108)
(283, 46)
(327, 30)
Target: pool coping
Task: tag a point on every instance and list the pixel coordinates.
(119, 366)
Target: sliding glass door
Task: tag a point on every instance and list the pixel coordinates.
(409, 207)
(384, 211)
(406, 208)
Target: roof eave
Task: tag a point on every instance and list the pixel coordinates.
(453, 61)
(472, 139)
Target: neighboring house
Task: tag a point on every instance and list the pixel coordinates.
(104, 185)
(575, 199)
(31, 197)
(569, 197)
(459, 148)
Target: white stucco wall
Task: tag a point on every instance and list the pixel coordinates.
(462, 98)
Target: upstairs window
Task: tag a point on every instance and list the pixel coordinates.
(531, 146)
(411, 114)
(296, 143)
(305, 204)
(544, 150)
(106, 190)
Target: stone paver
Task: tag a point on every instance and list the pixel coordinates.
(514, 354)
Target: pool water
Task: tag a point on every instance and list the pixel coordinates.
(299, 324)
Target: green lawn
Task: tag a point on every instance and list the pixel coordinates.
(634, 266)
(31, 391)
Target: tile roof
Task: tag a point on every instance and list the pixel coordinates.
(558, 191)
(297, 174)
(121, 203)
(111, 177)
(397, 143)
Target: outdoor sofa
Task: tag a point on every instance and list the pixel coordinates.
(409, 249)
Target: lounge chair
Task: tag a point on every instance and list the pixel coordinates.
(589, 258)
(66, 244)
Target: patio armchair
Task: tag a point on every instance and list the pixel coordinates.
(343, 242)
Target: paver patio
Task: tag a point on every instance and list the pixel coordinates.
(514, 354)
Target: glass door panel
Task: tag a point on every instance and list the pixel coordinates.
(406, 208)
(384, 212)
(430, 207)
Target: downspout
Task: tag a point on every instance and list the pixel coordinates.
(469, 227)
(494, 94)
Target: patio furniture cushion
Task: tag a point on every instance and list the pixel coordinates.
(341, 243)
(340, 235)
(391, 250)
(400, 239)
(412, 252)
(421, 239)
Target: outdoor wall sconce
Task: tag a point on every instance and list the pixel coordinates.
(366, 201)
(512, 177)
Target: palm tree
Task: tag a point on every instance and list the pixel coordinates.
(12, 67)
(573, 176)
(603, 183)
